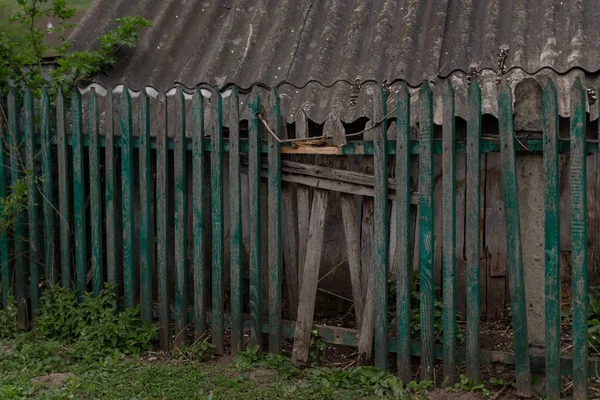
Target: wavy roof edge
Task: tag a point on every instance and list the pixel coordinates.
(320, 102)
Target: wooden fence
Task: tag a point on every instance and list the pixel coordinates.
(52, 142)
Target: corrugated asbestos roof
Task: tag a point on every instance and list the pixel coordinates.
(313, 50)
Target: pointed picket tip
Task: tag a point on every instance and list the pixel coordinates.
(474, 90)
(403, 94)
(198, 99)
(75, 94)
(503, 86)
(215, 91)
(125, 98)
(143, 93)
(235, 93)
(549, 89)
(254, 103)
(578, 84)
(448, 88)
(12, 94)
(426, 88)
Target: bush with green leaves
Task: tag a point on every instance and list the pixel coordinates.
(22, 59)
(8, 319)
(94, 326)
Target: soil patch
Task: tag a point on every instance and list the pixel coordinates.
(53, 380)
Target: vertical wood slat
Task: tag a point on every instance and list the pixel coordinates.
(112, 273)
(162, 223)
(235, 218)
(552, 240)
(18, 231)
(303, 200)
(308, 291)
(381, 237)
(426, 228)
(403, 235)
(352, 236)
(449, 233)
(127, 214)
(513, 239)
(79, 196)
(218, 247)
(579, 237)
(63, 192)
(180, 220)
(95, 196)
(5, 270)
(32, 203)
(473, 228)
(200, 292)
(254, 222)
(274, 219)
(47, 192)
(145, 179)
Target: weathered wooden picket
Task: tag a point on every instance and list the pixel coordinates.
(97, 156)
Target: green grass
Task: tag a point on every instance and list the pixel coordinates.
(28, 357)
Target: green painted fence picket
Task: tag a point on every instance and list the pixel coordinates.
(149, 266)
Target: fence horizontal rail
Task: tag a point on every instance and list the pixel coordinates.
(488, 145)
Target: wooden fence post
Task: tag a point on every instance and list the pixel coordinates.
(449, 233)
(127, 199)
(5, 267)
(235, 223)
(552, 240)
(381, 238)
(32, 204)
(47, 192)
(403, 235)
(79, 196)
(426, 219)
(162, 223)
(216, 183)
(513, 239)
(180, 220)
(275, 245)
(579, 237)
(145, 179)
(200, 290)
(473, 229)
(254, 217)
(95, 196)
(112, 271)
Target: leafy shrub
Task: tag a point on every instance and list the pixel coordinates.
(94, 326)
(8, 319)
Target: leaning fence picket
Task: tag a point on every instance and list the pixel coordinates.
(449, 233)
(95, 196)
(112, 272)
(19, 224)
(403, 237)
(63, 191)
(127, 211)
(552, 240)
(79, 197)
(162, 223)
(145, 179)
(5, 272)
(274, 218)
(235, 218)
(32, 203)
(180, 220)
(255, 266)
(426, 228)
(473, 228)
(381, 236)
(513, 239)
(47, 192)
(579, 238)
(217, 225)
(199, 231)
